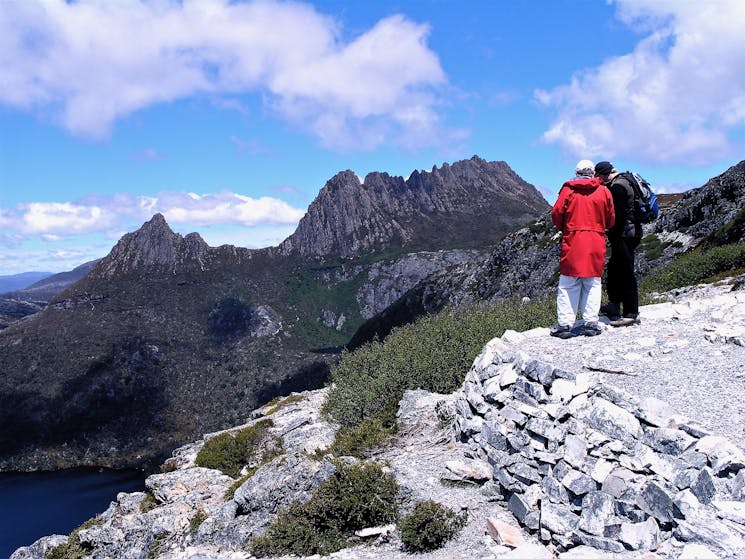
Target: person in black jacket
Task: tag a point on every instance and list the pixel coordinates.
(623, 294)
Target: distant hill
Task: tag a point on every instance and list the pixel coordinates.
(47, 286)
(166, 337)
(32, 297)
(19, 281)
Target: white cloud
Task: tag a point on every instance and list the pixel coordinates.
(36, 254)
(55, 221)
(88, 64)
(676, 98)
(63, 218)
(225, 208)
(5, 218)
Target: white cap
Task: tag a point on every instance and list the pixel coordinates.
(585, 168)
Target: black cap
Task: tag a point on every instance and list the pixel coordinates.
(604, 168)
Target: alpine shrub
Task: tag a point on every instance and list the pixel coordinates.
(356, 496)
(429, 526)
(230, 452)
(73, 548)
(432, 354)
(358, 441)
(696, 266)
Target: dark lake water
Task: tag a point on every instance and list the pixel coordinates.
(39, 504)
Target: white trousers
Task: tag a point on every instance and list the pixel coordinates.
(574, 294)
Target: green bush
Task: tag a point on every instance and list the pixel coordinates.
(696, 266)
(653, 247)
(356, 496)
(229, 452)
(359, 440)
(433, 354)
(73, 548)
(429, 526)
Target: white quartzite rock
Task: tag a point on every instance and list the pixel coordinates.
(613, 421)
(641, 535)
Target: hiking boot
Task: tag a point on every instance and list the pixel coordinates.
(563, 332)
(625, 321)
(610, 310)
(592, 329)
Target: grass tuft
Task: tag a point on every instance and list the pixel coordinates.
(73, 548)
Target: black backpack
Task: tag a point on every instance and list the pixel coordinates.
(646, 206)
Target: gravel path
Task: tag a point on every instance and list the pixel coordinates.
(689, 352)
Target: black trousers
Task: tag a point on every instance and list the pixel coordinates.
(621, 284)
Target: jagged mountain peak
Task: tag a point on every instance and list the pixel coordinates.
(154, 246)
(469, 203)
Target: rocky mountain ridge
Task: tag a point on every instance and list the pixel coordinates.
(349, 218)
(545, 456)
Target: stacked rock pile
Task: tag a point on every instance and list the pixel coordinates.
(580, 463)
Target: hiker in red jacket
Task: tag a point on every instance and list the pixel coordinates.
(582, 212)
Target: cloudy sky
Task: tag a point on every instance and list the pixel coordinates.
(228, 117)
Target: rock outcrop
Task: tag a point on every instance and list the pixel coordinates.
(703, 210)
(469, 203)
(154, 247)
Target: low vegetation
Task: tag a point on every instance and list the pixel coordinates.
(429, 526)
(196, 521)
(653, 247)
(148, 503)
(230, 452)
(359, 440)
(73, 548)
(156, 546)
(696, 266)
(431, 354)
(356, 496)
(279, 402)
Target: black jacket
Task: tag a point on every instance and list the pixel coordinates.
(626, 224)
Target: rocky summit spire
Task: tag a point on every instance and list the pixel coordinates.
(469, 203)
(154, 246)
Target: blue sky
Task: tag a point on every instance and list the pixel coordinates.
(228, 117)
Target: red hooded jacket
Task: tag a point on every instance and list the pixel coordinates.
(583, 212)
